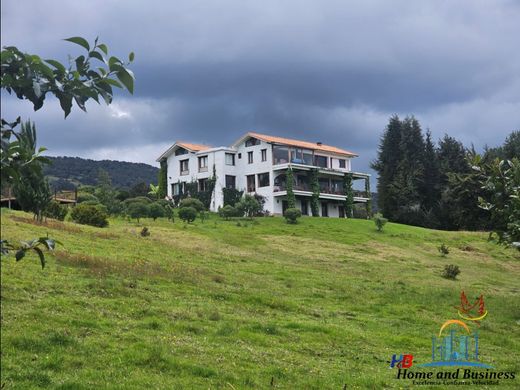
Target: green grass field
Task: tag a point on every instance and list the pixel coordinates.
(241, 304)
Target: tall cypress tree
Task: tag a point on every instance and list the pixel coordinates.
(386, 166)
(430, 189)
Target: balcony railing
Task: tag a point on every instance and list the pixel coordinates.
(323, 190)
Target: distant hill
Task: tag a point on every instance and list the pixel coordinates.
(69, 172)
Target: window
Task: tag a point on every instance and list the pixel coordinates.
(307, 156)
(181, 151)
(324, 209)
(263, 179)
(342, 163)
(280, 154)
(239, 156)
(252, 142)
(264, 154)
(249, 157)
(231, 181)
(175, 189)
(184, 167)
(203, 184)
(296, 156)
(251, 187)
(230, 159)
(203, 164)
(320, 161)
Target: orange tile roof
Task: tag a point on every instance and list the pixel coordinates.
(301, 144)
(193, 147)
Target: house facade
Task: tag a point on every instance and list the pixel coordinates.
(258, 163)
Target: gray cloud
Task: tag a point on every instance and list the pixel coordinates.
(329, 71)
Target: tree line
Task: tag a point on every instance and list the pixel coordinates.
(444, 184)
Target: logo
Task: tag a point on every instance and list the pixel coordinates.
(456, 345)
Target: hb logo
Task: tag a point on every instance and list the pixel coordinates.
(404, 361)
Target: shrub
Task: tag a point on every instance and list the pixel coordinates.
(56, 210)
(231, 196)
(248, 206)
(85, 196)
(292, 214)
(87, 214)
(451, 271)
(137, 199)
(380, 221)
(227, 212)
(145, 232)
(443, 250)
(138, 210)
(156, 211)
(187, 214)
(193, 203)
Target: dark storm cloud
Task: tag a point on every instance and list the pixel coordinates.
(330, 71)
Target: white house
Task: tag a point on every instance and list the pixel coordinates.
(257, 163)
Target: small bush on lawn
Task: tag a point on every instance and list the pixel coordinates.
(193, 203)
(187, 214)
(227, 212)
(138, 210)
(87, 214)
(451, 271)
(291, 215)
(56, 211)
(156, 211)
(145, 232)
(380, 221)
(248, 206)
(138, 199)
(444, 250)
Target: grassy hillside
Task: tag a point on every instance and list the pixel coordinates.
(216, 305)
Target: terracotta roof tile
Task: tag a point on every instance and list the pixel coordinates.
(301, 144)
(193, 147)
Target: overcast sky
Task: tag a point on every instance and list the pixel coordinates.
(329, 71)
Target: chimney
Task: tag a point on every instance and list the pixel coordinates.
(319, 143)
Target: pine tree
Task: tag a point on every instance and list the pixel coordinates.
(430, 189)
(386, 166)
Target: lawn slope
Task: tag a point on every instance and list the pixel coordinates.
(241, 304)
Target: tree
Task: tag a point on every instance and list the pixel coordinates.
(315, 188)
(188, 214)
(291, 199)
(29, 77)
(156, 211)
(106, 194)
(386, 166)
(430, 185)
(138, 210)
(349, 195)
(31, 189)
(248, 206)
(162, 180)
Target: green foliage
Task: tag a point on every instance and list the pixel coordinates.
(187, 214)
(139, 199)
(86, 214)
(156, 211)
(379, 221)
(232, 196)
(349, 195)
(140, 190)
(248, 206)
(85, 196)
(192, 202)
(315, 188)
(26, 246)
(138, 210)
(502, 199)
(162, 180)
(227, 212)
(292, 214)
(67, 172)
(451, 271)
(291, 199)
(368, 204)
(443, 249)
(32, 78)
(106, 194)
(56, 210)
